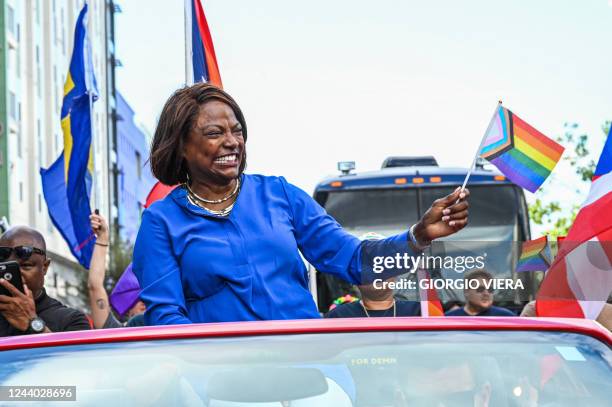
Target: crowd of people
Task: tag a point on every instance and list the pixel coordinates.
(33, 311)
(223, 245)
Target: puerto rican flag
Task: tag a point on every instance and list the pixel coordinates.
(579, 281)
(201, 61)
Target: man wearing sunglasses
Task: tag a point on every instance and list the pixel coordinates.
(32, 311)
(479, 300)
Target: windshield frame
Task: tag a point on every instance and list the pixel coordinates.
(172, 353)
(258, 328)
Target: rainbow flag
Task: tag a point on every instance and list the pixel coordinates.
(534, 256)
(519, 151)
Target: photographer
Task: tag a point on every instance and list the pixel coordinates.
(32, 311)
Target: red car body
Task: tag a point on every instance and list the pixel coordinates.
(233, 329)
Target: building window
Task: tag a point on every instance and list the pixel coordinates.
(138, 166)
(19, 147)
(18, 53)
(38, 76)
(54, 22)
(62, 30)
(40, 152)
(19, 141)
(20, 191)
(10, 19)
(39, 138)
(12, 107)
(55, 89)
(39, 203)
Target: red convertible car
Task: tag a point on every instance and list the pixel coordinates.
(352, 362)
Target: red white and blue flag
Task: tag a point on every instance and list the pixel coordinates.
(200, 66)
(579, 281)
(201, 61)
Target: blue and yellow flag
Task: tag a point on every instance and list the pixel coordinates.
(67, 182)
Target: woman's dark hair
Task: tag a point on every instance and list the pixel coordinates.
(176, 120)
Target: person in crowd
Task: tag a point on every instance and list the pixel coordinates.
(224, 245)
(376, 302)
(604, 317)
(127, 296)
(452, 305)
(529, 310)
(479, 301)
(32, 311)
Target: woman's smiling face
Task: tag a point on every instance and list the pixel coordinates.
(214, 148)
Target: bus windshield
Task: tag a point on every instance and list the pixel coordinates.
(380, 210)
(493, 231)
(493, 210)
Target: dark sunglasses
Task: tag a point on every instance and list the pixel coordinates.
(22, 252)
(482, 289)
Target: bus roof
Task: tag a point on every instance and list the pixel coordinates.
(411, 177)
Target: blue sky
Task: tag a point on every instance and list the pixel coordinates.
(325, 81)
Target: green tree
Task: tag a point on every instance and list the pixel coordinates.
(551, 214)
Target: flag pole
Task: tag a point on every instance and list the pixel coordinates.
(188, 49)
(90, 89)
(484, 137)
(93, 153)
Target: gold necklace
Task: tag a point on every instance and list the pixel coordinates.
(222, 212)
(368, 315)
(214, 201)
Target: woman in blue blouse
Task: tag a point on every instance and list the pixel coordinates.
(225, 246)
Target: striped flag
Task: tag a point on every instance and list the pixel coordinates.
(535, 256)
(580, 279)
(430, 302)
(201, 62)
(519, 151)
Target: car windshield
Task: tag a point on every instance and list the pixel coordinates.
(345, 369)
